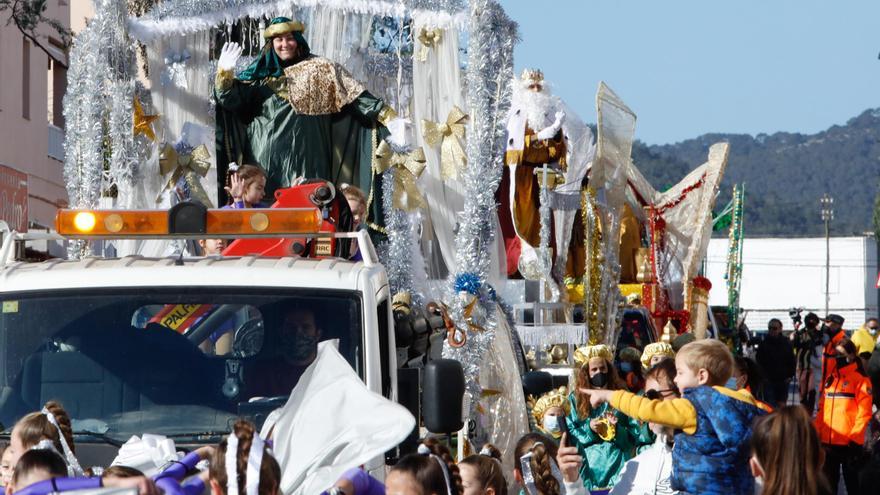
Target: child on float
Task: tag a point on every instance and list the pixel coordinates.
(246, 186)
(431, 471)
(604, 436)
(650, 472)
(541, 468)
(6, 466)
(357, 203)
(548, 410)
(482, 474)
(50, 425)
(711, 453)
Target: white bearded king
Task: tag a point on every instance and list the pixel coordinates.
(540, 130)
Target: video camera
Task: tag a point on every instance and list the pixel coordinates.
(795, 315)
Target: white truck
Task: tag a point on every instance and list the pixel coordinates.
(181, 346)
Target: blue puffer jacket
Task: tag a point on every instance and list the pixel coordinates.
(715, 458)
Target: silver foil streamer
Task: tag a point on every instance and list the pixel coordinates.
(490, 69)
(400, 253)
(99, 146)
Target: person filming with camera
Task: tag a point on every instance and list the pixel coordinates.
(807, 343)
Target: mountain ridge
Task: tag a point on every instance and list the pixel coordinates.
(785, 174)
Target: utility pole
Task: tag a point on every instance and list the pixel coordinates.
(827, 203)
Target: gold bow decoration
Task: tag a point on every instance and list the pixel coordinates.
(191, 166)
(449, 135)
(407, 169)
(429, 38)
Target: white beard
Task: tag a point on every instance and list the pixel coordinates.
(539, 107)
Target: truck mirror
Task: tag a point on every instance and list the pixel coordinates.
(442, 396)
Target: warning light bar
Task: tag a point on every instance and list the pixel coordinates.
(188, 220)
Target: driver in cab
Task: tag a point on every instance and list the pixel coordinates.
(278, 371)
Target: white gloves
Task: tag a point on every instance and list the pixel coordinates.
(229, 55)
(397, 128)
(550, 131)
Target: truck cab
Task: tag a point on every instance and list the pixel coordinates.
(182, 346)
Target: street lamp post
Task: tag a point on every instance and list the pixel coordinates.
(827, 203)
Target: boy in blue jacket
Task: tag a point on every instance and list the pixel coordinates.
(711, 453)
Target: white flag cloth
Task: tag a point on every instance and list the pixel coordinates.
(148, 454)
(333, 422)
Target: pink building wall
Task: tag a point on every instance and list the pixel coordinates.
(25, 139)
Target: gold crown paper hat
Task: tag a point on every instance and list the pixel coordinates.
(554, 398)
(582, 355)
(656, 349)
(532, 76)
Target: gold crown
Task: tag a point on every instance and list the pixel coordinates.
(532, 76)
(582, 355)
(280, 28)
(656, 349)
(554, 398)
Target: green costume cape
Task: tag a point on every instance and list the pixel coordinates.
(258, 124)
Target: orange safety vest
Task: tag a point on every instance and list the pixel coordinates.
(844, 407)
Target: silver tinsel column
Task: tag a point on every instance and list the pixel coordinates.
(492, 35)
(99, 145)
(401, 254)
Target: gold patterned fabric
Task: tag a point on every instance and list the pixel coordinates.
(280, 28)
(318, 86)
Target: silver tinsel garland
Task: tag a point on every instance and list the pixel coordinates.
(490, 69)
(400, 253)
(99, 146)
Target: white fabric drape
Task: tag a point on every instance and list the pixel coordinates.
(437, 87)
(688, 221)
(314, 449)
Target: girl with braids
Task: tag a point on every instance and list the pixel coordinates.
(542, 469)
(245, 455)
(50, 426)
(430, 472)
(482, 474)
(605, 437)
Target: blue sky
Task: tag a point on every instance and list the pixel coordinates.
(687, 67)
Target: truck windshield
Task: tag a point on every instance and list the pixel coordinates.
(174, 361)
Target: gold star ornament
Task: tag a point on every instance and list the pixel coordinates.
(143, 124)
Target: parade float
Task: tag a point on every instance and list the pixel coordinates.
(145, 131)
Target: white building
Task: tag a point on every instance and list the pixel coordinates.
(779, 274)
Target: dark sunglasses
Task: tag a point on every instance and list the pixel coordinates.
(659, 394)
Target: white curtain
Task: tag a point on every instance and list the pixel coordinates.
(437, 87)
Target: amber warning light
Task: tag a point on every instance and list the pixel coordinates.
(187, 220)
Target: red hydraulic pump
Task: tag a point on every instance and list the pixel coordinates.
(336, 217)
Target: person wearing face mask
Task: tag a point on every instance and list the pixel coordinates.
(650, 472)
(605, 437)
(786, 456)
(628, 362)
(548, 409)
(777, 360)
(296, 347)
(865, 338)
(832, 334)
(843, 416)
